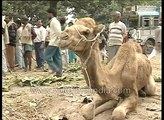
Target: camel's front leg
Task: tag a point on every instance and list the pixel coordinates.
(126, 106)
(89, 110)
(106, 106)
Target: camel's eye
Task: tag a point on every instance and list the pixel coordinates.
(86, 33)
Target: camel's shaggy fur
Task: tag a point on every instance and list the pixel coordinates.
(127, 73)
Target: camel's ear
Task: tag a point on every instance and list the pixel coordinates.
(98, 29)
(76, 19)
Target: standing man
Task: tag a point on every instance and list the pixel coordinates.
(53, 52)
(158, 37)
(27, 36)
(38, 41)
(5, 41)
(11, 47)
(19, 50)
(117, 32)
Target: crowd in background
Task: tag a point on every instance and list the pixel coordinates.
(20, 39)
(23, 42)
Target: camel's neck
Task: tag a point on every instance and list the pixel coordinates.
(91, 65)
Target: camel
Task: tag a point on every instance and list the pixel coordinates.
(116, 83)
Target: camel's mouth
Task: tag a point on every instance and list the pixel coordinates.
(64, 40)
(64, 44)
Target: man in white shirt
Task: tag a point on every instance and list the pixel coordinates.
(38, 41)
(5, 41)
(19, 49)
(117, 32)
(53, 52)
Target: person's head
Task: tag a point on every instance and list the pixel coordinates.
(116, 16)
(39, 23)
(18, 22)
(62, 21)
(24, 19)
(51, 13)
(8, 18)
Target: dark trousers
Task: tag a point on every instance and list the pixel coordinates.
(54, 59)
(39, 53)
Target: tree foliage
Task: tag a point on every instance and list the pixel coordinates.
(100, 10)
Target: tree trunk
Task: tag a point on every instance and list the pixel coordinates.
(53, 5)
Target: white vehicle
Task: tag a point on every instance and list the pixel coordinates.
(144, 19)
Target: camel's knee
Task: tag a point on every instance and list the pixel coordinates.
(127, 105)
(150, 88)
(108, 105)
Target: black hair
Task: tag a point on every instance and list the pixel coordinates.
(9, 15)
(53, 11)
(18, 21)
(62, 20)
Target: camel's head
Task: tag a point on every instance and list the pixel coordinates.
(81, 35)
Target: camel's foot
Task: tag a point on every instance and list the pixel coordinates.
(88, 111)
(118, 114)
(124, 106)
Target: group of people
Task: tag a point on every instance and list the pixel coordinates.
(19, 38)
(117, 35)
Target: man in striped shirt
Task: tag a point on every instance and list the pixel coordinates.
(117, 32)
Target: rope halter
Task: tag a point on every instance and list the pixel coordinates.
(83, 38)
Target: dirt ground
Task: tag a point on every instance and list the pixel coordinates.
(49, 103)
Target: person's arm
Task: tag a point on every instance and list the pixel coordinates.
(124, 29)
(6, 35)
(124, 34)
(33, 33)
(105, 35)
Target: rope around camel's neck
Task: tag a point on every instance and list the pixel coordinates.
(86, 62)
(91, 55)
(91, 62)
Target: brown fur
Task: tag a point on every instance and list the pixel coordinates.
(88, 22)
(129, 70)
